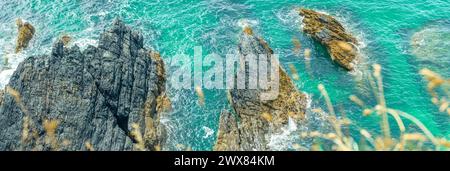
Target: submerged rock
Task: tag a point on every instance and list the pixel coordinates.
(431, 48)
(258, 118)
(109, 97)
(24, 35)
(328, 31)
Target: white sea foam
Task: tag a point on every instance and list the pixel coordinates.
(83, 43)
(247, 23)
(9, 60)
(4, 77)
(284, 139)
(208, 132)
(289, 17)
(288, 136)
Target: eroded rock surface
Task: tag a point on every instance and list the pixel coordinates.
(258, 118)
(324, 28)
(96, 99)
(228, 135)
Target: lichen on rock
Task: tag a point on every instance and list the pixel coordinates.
(328, 31)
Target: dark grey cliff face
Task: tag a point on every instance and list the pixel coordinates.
(256, 118)
(102, 98)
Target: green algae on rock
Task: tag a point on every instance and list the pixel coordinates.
(329, 32)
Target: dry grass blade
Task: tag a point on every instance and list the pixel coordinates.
(434, 81)
(324, 93)
(201, 96)
(267, 116)
(297, 45)
(357, 101)
(384, 122)
(307, 54)
(418, 123)
(294, 72)
(89, 146)
(405, 141)
(25, 129)
(50, 127)
(137, 137)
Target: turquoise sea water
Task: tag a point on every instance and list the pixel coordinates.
(385, 28)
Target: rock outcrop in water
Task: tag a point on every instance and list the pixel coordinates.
(109, 97)
(258, 118)
(25, 33)
(328, 31)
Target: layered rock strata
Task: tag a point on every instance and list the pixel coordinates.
(109, 97)
(340, 44)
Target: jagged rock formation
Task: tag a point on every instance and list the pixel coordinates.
(328, 31)
(109, 97)
(258, 118)
(24, 35)
(228, 135)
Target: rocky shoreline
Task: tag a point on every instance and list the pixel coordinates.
(112, 97)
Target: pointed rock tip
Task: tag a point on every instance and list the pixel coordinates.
(58, 48)
(118, 25)
(118, 21)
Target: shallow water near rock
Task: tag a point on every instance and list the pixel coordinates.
(177, 26)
